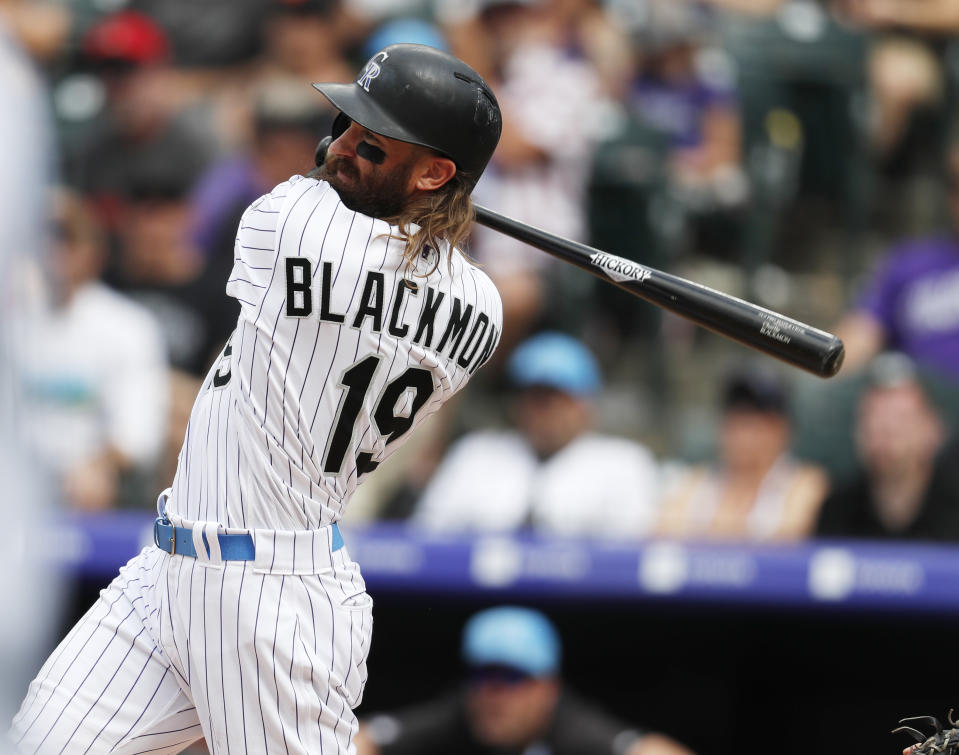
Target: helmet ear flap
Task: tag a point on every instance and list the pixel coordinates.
(340, 125)
(319, 156)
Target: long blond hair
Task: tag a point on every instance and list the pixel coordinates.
(445, 214)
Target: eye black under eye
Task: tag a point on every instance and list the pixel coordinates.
(368, 152)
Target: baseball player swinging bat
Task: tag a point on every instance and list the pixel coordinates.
(775, 334)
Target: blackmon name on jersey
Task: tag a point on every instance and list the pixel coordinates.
(470, 351)
(339, 353)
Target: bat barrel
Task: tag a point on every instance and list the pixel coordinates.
(763, 329)
(772, 333)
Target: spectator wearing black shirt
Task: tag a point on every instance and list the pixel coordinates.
(907, 483)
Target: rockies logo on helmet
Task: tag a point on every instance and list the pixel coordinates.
(424, 96)
(372, 70)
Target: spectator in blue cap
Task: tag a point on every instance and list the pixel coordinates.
(513, 703)
(550, 472)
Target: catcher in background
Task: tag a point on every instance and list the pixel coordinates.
(513, 703)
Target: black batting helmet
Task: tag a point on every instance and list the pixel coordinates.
(421, 95)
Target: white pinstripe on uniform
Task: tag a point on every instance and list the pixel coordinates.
(333, 362)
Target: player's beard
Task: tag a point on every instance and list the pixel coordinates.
(379, 197)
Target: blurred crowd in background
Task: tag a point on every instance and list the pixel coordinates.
(797, 153)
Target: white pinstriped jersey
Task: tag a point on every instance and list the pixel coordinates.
(335, 359)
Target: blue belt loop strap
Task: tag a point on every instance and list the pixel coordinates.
(178, 541)
(337, 539)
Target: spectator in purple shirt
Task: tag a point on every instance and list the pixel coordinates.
(286, 121)
(911, 303)
(684, 86)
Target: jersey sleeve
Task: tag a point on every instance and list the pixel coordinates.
(254, 251)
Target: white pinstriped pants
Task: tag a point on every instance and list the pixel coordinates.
(266, 656)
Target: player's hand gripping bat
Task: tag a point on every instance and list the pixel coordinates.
(775, 334)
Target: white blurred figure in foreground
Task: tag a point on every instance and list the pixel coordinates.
(25, 162)
(95, 378)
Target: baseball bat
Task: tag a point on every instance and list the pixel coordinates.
(779, 336)
(759, 328)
